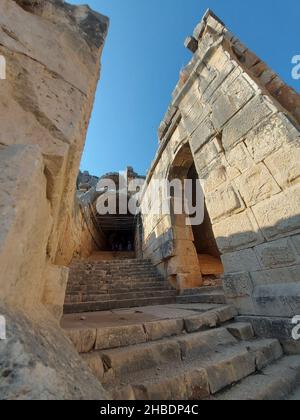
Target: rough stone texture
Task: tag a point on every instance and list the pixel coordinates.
(237, 232)
(45, 107)
(39, 363)
(276, 254)
(256, 185)
(280, 215)
(241, 331)
(117, 337)
(240, 260)
(242, 125)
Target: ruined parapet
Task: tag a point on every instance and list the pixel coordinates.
(241, 123)
(52, 52)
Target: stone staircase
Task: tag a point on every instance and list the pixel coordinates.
(204, 356)
(114, 284)
(211, 294)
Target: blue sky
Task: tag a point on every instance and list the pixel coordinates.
(142, 58)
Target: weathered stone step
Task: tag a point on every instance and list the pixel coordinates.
(220, 367)
(276, 382)
(110, 288)
(104, 338)
(213, 297)
(103, 290)
(114, 304)
(201, 290)
(123, 364)
(113, 277)
(122, 296)
(112, 263)
(124, 283)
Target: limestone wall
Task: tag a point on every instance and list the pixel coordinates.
(52, 52)
(242, 125)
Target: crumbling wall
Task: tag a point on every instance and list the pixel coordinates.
(52, 52)
(242, 124)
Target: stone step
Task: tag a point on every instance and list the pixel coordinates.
(104, 290)
(104, 338)
(213, 297)
(124, 296)
(111, 279)
(113, 263)
(201, 291)
(279, 381)
(115, 304)
(125, 363)
(118, 286)
(164, 375)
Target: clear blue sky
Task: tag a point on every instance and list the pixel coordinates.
(144, 54)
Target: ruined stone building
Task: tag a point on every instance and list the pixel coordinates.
(145, 306)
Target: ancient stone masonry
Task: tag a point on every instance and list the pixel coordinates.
(238, 123)
(52, 53)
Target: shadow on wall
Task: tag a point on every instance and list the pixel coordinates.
(262, 268)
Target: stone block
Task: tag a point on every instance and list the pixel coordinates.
(223, 67)
(266, 352)
(190, 98)
(237, 285)
(204, 343)
(230, 370)
(243, 305)
(237, 232)
(216, 177)
(241, 330)
(245, 120)
(113, 337)
(195, 116)
(197, 385)
(256, 184)
(234, 93)
(223, 202)
(269, 136)
(284, 165)
(245, 260)
(83, 339)
(276, 276)
(207, 155)
(163, 329)
(205, 131)
(94, 362)
(279, 216)
(201, 322)
(126, 362)
(226, 313)
(239, 158)
(281, 300)
(276, 254)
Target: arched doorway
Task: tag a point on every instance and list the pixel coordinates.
(197, 253)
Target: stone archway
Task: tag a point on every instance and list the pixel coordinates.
(196, 252)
